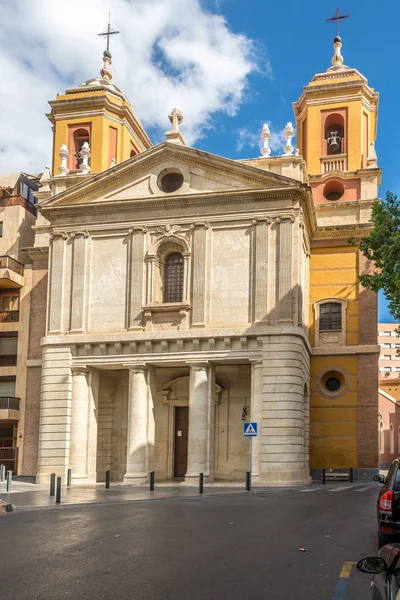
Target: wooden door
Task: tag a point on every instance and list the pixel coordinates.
(181, 433)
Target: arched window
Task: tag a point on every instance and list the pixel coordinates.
(334, 134)
(381, 438)
(330, 316)
(391, 439)
(173, 277)
(77, 138)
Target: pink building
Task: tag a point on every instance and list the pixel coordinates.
(389, 394)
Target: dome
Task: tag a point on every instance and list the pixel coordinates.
(102, 83)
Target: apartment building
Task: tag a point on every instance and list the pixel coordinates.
(17, 216)
(389, 342)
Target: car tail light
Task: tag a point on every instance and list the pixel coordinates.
(386, 501)
(386, 530)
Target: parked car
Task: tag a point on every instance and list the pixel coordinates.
(386, 571)
(388, 508)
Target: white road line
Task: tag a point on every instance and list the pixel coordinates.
(339, 489)
(311, 489)
(363, 489)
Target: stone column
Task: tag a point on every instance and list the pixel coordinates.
(256, 415)
(198, 422)
(137, 450)
(78, 446)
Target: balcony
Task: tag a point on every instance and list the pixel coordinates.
(11, 272)
(9, 316)
(9, 408)
(335, 162)
(9, 403)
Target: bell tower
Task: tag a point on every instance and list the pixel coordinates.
(94, 125)
(336, 120)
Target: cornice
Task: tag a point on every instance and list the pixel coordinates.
(333, 204)
(90, 101)
(151, 203)
(41, 253)
(342, 231)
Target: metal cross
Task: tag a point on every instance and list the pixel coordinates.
(338, 17)
(109, 31)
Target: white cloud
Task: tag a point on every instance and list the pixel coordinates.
(170, 53)
(246, 137)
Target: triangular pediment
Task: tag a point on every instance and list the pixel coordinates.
(140, 178)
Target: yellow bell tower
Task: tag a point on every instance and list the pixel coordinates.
(96, 123)
(336, 120)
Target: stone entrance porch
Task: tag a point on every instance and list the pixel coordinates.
(124, 420)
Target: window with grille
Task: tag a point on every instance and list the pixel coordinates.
(173, 278)
(330, 316)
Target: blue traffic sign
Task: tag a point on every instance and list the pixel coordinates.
(250, 429)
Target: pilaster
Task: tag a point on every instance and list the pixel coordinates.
(199, 274)
(55, 296)
(78, 282)
(256, 416)
(136, 278)
(285, 291)
(260, 269)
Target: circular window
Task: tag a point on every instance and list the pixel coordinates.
(333, 190)
(170, 182)
(332, 382)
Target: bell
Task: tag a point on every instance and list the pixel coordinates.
(334, 141)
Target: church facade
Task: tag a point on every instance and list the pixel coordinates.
(188, 293)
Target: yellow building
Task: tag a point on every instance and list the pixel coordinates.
(336, 120)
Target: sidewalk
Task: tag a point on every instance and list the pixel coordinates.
(29, 496)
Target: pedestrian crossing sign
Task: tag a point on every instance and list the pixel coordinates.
(250, 429)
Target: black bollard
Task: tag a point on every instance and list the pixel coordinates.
(351, 474)
(201, 483)
(108, 479)
(69, 477)
(248, 481)
(58, 493)
(9, 480)
(152, 481)
(323, 476)
(53, 484)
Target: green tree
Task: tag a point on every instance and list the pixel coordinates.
(382, 246)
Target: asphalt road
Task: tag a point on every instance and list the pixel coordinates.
(229, 547)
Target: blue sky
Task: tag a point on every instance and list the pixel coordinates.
(228, 65)
(298, 42)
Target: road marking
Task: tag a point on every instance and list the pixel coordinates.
(341, 586)
(363, 489)
(311, 489)
(340, 489)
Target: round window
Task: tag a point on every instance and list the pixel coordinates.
(333, 190)
(332, 382)
(170, 182)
